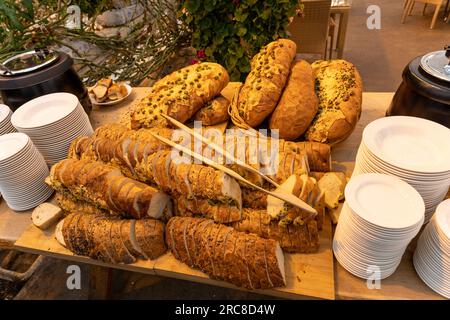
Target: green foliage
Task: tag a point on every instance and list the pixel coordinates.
(145, 51)
(232, 31)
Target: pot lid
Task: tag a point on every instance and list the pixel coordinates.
(437, 64)
(27, 61)
(46, 66)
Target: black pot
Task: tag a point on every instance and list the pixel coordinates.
(40, 72)
(424, 92)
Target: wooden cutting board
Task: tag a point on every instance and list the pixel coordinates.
(307, 275)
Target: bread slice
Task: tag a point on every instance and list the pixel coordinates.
(122, 253)
(59, 233)
(150, 237)
(45, 215)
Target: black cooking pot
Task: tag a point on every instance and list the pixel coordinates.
(425, 90)
(34, 73)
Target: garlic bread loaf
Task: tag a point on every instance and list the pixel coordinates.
(298, 104)
(105, 187)
(339, 89)
(262, 89)
(180, 95)
(223, 253)
(214, 112)
(293, 238)
(110, 239)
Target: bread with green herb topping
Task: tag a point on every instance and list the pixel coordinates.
(338, 86)
(262, 89)
(180, 95)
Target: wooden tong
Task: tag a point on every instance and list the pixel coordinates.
(280, 194)
(218, 149)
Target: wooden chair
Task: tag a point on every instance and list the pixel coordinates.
(310, 32)
(409, 6)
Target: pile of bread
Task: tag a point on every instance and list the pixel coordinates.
(319, 102)
(125, 197)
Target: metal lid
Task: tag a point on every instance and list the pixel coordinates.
(27, 62)
(48, 69)
(437, 64)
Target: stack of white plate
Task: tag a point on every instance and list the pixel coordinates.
(5, 120)
(52, 121)
(432, 255)
(380, 216)
(413, 149)
(22, 174)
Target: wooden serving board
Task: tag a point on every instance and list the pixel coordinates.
(307, 275)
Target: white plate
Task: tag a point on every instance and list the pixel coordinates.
(11, 144)
(410, 143)
(5, 113)
(110, 103)
(384, 201)
(44, 110)
(443, 217)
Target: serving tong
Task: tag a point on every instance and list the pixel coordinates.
(279, 193)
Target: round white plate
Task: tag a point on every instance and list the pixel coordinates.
(44, 110)
(110, 103)
(11, 144)
(385, 201)
(5, 112)
(410, 143)
(443, 217)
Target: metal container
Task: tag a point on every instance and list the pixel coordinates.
(425, 90)
(34, 73)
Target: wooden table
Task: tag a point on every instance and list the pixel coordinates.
(404, 284)
(341, 8)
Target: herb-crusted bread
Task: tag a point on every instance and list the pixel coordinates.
(262, 89)
(180, 95)
(338, 86)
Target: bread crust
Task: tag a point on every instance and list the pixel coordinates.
(264, 84)
(298, 104)
(339, 89)
(224, 253)
(214, 112)
(180, 95)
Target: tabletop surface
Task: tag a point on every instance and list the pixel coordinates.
(403, 284)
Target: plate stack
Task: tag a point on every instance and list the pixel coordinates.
(5, 120)
(413, 149)
(52, 122)
(432, 255)
(23, 172)
(380, 216)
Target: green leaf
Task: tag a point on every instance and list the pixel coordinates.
(29, 9)
(10, 14)
(241, 31)
(193, 5)
(240, 16)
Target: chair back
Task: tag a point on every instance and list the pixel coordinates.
(310, 32)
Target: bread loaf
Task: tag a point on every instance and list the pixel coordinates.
(105, 187)
(293, 238)
(110, 239)
(244, 260)
(262, 89)
(298, 104)
(339, 89)
(180, 95)
(214, 112)
(218, 211)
